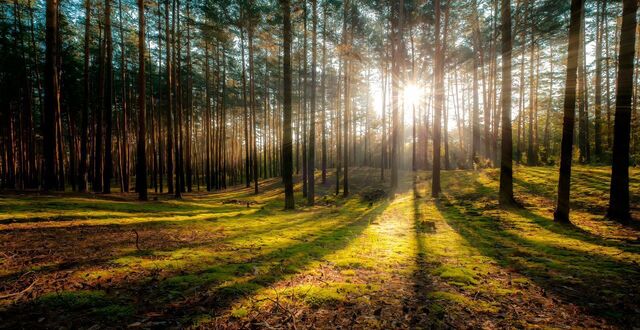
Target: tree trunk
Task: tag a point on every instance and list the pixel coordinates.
(124, 153)
(619, 194)
(598, 82)
(438, 103)
(247, 146)
(108, 100)
(252, 106)
(561, 213)
(141, 161)
(323, 96)
(52, 95)
(287, 145)
(506, 161)
(83, 173)
(311, 161)
(169, 110)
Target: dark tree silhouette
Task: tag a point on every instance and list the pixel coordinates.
(506, 160)
(287, 139)
(51, 100)
(561, 213)
(141, 159)
(619, 193)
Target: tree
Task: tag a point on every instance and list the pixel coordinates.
(252, 102)
(52, 93)
(619, 192)
(311, 161)
(598, 83)
(83, 173)
(169, 101)
(107, 99)
(475, 117)
(124, 126)
(561, 213)
(141, 159)
(506, 160)
(347, 98)
(324, 91)
(287, 138)
(438, 104)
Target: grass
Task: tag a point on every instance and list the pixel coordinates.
(235, 259)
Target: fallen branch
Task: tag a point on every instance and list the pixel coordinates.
(137, 239)
(11, 295)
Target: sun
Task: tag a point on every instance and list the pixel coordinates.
(412, 94)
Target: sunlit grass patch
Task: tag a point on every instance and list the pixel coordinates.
(327, 294)
(465, 302)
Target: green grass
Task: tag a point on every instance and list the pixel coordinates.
(461, 259)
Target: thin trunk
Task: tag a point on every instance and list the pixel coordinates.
(561, 213)
(312, 121)
(438, 103)
(598, 83)
(83, 174)
(108, 100)
(323, 87)
(287, 146)
(141, 161)
(347, 100)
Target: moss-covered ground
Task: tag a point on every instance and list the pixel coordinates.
(232, 259)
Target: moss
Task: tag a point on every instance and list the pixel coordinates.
(239, 313)
(464, 301)
(74, 299)
(456, 274)
(463, 242)
(318, 296)
(97, 303)
(114, 312)
(348, 272)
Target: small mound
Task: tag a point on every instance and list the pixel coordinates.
(373, 194)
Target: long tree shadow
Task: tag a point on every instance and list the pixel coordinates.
(477, 190)
(180, 298)
(120, 242)
(424, 315)
(602, 285)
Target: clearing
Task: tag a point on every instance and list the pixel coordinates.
(235, 260)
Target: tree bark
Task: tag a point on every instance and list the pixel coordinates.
(52, 95)
(561, 213)
(506, 160)
(619, 193)
(287, 145)
(141, 161)
(438, 103)
(311, 161)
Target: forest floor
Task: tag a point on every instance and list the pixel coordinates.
(233, 260)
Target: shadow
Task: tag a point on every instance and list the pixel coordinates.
(600, 284)
(178, 297)
(423, 316)
(112, 239)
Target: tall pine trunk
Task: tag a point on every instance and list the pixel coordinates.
(438, 104)
(287, 140)
(619, 193)
(108, 100)
(311, 161)
(506, 160)
(141, 161)
(561, 213)
(52, 94)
